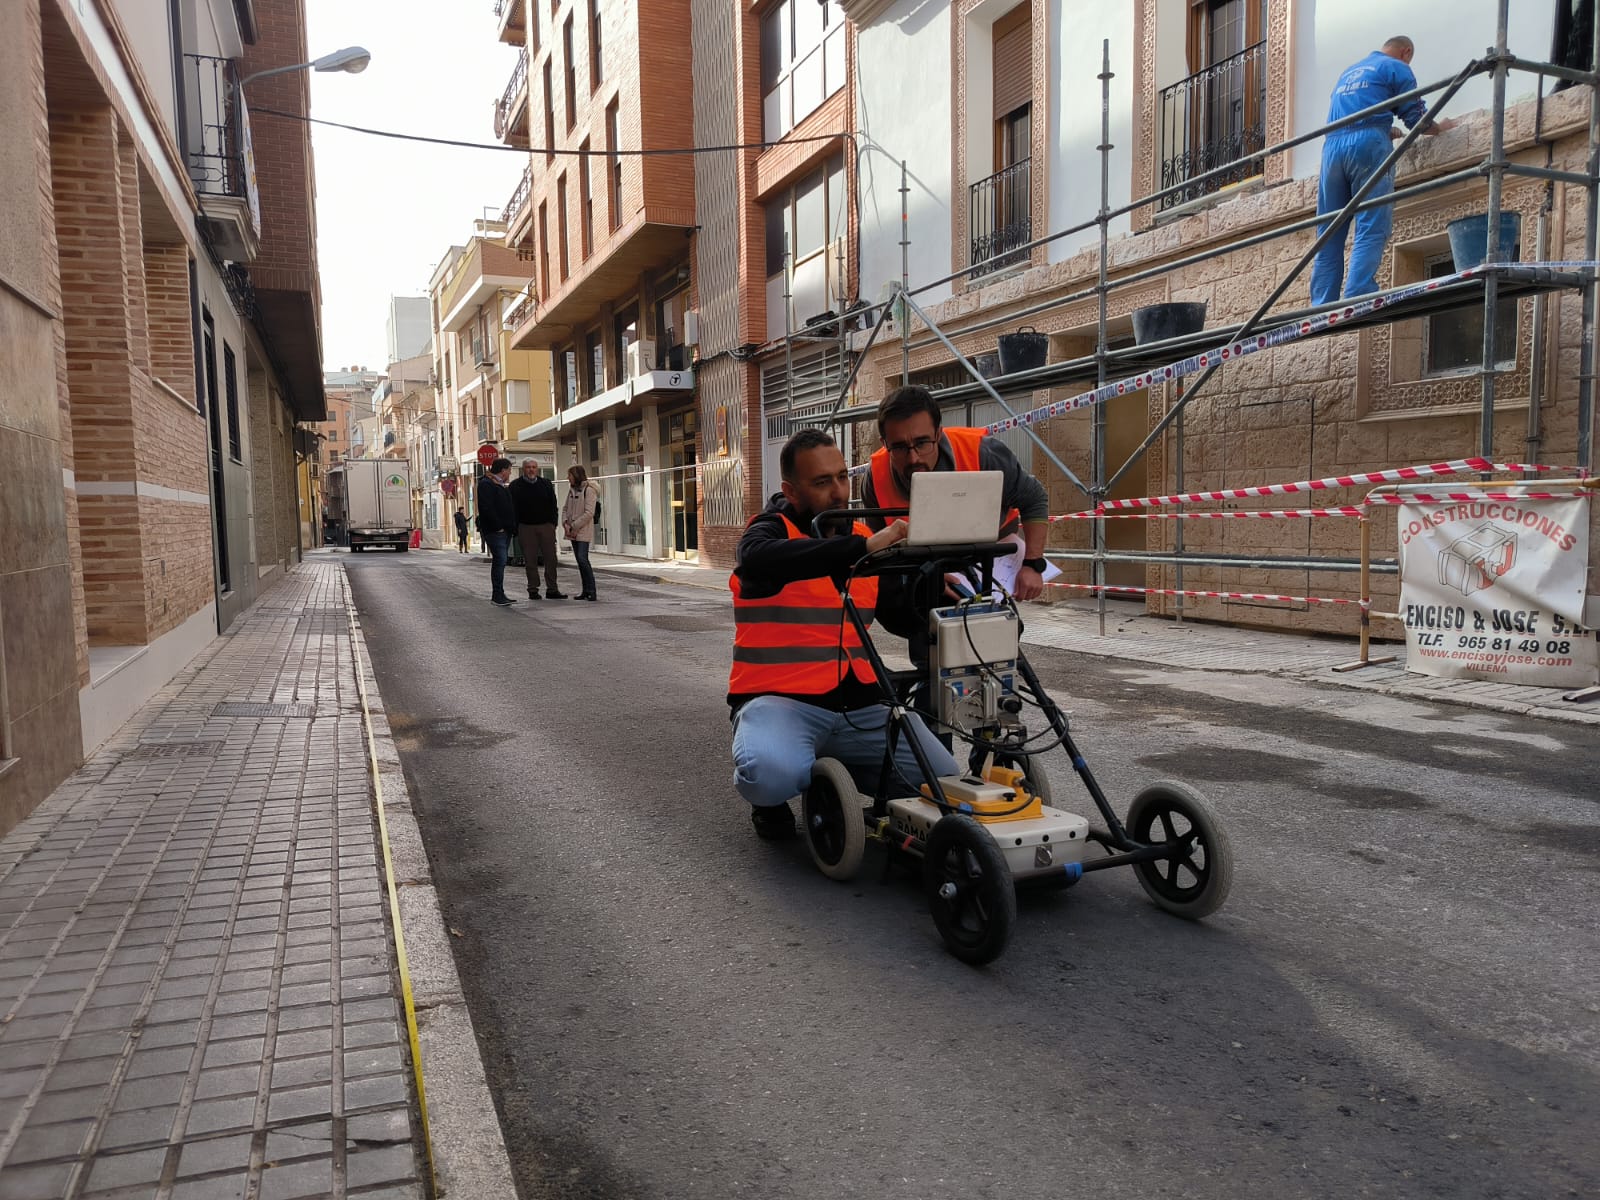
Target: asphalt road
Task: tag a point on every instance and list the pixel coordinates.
(1398, 1000)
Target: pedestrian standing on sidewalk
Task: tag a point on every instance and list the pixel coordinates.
(497, 521)
(535, 498)
(577, 522)
(461, 532)
(1351, 155)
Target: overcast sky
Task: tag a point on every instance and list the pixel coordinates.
(388, 210)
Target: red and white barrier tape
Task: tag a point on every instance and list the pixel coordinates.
(1346, 510)
(1458, 466)
(1458, 497)
(1142, 591)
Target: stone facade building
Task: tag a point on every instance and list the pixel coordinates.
(1015, 93)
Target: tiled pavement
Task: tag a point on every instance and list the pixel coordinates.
(197, 986)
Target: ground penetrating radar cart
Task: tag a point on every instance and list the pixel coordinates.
(983, 833)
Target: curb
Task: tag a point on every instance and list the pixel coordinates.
(468, 1148)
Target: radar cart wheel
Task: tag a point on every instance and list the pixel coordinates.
(831, 811)
(969, 887)
(1194, 882)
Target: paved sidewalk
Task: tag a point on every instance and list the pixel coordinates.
(198, 986)
(1134, 635)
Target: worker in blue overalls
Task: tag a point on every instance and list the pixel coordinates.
(1351, 155)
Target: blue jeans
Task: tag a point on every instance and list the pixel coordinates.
(580, 552)
(499, 544)
(776, 740)
(1349, 159)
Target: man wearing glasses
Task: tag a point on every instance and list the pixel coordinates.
(909, 424)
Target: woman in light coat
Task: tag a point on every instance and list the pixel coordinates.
(577, 522)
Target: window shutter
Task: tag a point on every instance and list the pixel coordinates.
(1013, 60)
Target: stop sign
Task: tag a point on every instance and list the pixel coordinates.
(487, 453)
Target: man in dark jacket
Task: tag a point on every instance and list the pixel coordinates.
(535, 499)
(497, 521)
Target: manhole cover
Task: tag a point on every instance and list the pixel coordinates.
(176, 750)
(250, 708)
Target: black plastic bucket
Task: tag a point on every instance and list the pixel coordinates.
(1023, 350)
(1158, 322)
(1469, 238)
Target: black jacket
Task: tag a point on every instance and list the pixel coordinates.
(496, 512)
(535, 500)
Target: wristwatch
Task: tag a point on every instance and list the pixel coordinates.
(1035, 564)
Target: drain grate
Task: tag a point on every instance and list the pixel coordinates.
(251, 708)
(176, 750)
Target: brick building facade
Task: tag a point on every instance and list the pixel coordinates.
(147, 426)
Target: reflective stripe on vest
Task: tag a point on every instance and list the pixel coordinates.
(963, 444)
(799, 642)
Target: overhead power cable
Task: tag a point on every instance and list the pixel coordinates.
(526, 150)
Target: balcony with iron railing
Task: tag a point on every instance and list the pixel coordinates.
(511, 110)
(219, 156)
(519, 200)
(1214, 117)
(511, 20)
(519, 312)
(1000, 211)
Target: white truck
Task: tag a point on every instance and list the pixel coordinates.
(374, 501)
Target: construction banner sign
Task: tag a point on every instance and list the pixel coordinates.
(1495, 589)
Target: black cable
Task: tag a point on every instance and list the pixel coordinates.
(526, 150)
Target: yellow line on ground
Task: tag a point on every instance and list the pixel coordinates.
(394, 899)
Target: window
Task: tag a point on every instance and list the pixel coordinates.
(802, 61)
(533, 28)
(561, 223)
(549, 115)
(625, 330)
(544, 249)
(597, 72)
(569, 375)
(807, 220)
(1217, 114)
(1453, 341)
(230, 393)
(594, 354)
(585, 199)
(571, 73)
(615, 165)
(671, 309)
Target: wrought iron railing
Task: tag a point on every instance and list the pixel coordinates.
(216, 147)
(500, 7)
(519, 313)
(1001, 217)
(505, 106)
(519, 198)
(1214, 117)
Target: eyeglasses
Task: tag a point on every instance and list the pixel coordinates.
(917, 446)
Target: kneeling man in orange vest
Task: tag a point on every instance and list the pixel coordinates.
(801, 687)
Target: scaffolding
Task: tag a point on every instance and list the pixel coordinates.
(1487, 285)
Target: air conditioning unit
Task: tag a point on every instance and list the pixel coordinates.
(641, 357)
(691, 328)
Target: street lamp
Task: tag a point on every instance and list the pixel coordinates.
(352, 59)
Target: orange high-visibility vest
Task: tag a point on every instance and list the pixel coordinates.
(963, 448)
(799, 642)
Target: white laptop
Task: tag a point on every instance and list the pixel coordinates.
(950, 507)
